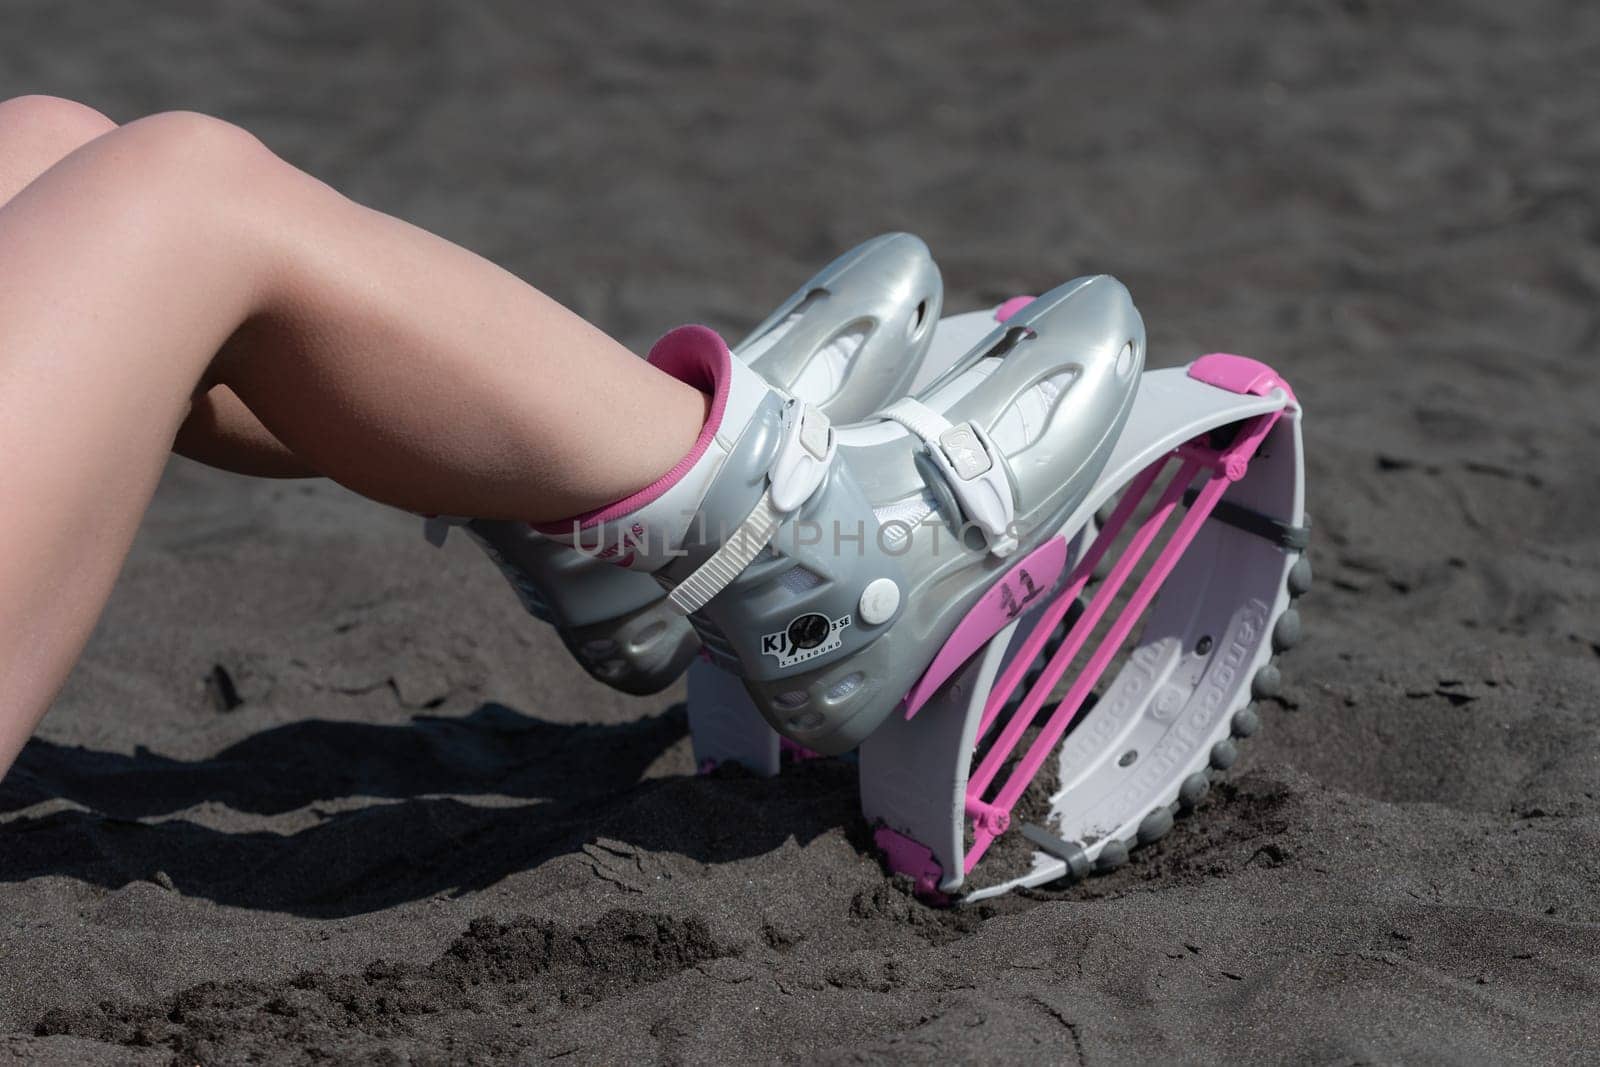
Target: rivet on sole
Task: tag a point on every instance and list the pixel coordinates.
(1246, 721)
(1300, 577)
(1267, 683)
(1113, 855)
(1193, 789)
(1286, 632)
(1154, 827)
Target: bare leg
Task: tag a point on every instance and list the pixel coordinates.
(36, 133)
(221, 432)
(177, 251)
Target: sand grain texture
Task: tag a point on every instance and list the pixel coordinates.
(317, 790)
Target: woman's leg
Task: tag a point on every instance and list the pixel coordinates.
(177, 251)
(36, 133)
(220, 431)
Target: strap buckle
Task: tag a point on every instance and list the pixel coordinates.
(975, 471)
(970, 465)
(804, 455)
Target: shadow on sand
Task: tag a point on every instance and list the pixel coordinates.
(420, 838)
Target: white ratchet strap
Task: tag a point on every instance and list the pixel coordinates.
(804, 454)
(972, 466)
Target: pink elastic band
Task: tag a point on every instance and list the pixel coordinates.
(697, 356)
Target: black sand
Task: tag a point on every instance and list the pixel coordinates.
(420, 836)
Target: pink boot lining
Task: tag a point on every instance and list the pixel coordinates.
(697, 356)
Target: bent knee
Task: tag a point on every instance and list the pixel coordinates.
(195, 148)
(50, 122)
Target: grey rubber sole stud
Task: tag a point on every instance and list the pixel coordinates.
(1193, 790)
(1286, 631)
(1267, 683)
(1246, 721)
(1300, 577)
(1113, 855)
(1155, 826)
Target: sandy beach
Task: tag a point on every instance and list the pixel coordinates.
(319, 792)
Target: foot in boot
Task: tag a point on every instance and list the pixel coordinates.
(849, 341)
(826, 566)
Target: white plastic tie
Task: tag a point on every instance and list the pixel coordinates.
(804, 455)
(806, 449)
(917, 417)
(729, 561)
(972, 466)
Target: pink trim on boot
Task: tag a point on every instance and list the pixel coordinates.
(1238, 374)
(697, 356)
(1011, 307)
(1004, 601)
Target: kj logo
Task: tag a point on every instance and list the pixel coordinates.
(805, 638)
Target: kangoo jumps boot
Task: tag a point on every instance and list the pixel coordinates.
(848, 341)
(826, 566)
